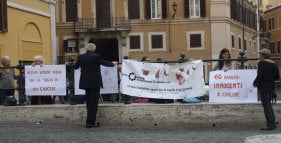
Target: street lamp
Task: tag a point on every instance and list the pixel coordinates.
(174, 8)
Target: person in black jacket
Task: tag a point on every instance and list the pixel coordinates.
(267, 73)
(91, 81)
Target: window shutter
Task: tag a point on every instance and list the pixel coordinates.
(164, 9)
(3, 16)
(157, 41)
(65, 45)
(272, 24)
(147, 9)
(71, 10)
(195, 40)
(186, 8)
(134, 9)
(203, 8)
(278, 46)
(135, 42)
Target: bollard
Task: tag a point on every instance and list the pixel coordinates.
(72, 100)
(183, 58)
(242, 59)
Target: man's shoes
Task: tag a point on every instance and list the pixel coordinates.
(93, 125)
(127, 102)
(268, 128)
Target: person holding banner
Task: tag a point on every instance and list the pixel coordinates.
(7, 77)
(35, 100)
(224, 64)
(91, 81)
(267, 74)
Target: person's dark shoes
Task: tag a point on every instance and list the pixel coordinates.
(93, 125)
(267, 128)
(127, 102)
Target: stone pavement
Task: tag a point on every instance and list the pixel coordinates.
(67, 133)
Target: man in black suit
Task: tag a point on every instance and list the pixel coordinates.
(91, 81)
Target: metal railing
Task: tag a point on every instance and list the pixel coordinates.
(70, 73)
(102, 24)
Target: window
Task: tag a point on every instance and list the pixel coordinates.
(134, 9)
(279, 47)
(250, 46)
(3, 16)
(271, 24)
(71, 11)
(195, 40)
(272, 47)
(255, 47)
(239, 42)
(245, 44)
(194, 8)
(157, 41)
(264, 26)
(232, 41)
(156, 9)
(70, 46)
(135, 42)
(279, 21)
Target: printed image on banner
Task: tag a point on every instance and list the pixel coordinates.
(45, 80)
(109, 80)
(159, 80)
(233, 86)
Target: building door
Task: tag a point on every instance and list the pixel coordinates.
(107, 48)
(103, 14)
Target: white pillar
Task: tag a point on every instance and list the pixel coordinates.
(53, 31)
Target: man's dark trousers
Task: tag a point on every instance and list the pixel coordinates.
(266, 95)
(92, 100)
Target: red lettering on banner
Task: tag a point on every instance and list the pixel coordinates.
(32, 72)
(56, 72)
(45, 72)
(231, 77)
(35, 89)
(47, 88)
(48, 80)
(218, 76)
(228, 85)
(230, 94)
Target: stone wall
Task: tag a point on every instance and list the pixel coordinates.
(144, 115)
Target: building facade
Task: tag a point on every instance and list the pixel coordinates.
(26, 29)
(272, 30)
(157, 28)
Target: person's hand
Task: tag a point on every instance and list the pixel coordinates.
(115, 62)
(254, 85)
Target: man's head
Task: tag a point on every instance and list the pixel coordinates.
(265, 53)
(91, 47)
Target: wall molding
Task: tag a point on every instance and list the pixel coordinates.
(27, 9)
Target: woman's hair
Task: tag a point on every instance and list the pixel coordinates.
(5, 59)
(221, 63)
(39, 58)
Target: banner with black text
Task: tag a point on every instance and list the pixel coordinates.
(159, 80)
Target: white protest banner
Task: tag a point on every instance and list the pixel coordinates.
(109, 80)
(233, 86)
(45, 80)
(159, 80)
